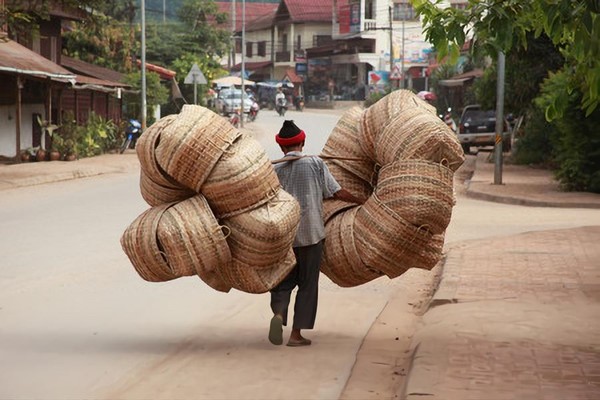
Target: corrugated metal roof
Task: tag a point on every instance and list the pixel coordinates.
(253, 11)
(91, 70)
(19, 59)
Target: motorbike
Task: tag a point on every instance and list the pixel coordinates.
(299, 103)
(234, 118)
(132, 133)
(450, 121)
(281, 106)
(253, 112)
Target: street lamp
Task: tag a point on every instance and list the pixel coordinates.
(143, 64)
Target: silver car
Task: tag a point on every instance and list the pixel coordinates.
(229, 100)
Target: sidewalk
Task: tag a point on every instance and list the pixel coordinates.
(517, 320)
(525, 186)
(37, 173)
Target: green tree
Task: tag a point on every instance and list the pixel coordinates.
(156, 94)
(571, 25)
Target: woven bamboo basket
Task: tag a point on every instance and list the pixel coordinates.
(262, 236)
(388, 243)
(343, 146)
(249, 279)
(193, 241)
(359, 187)
(145, 148)
(332, 207)
(156, 194)
(415, 134)
(243, 179)
(156, 186)
(376, 117)
(194, 142)
(341, 259)
(419, 191)
(140, 243)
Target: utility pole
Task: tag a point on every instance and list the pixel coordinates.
(232, 33)
(499, 120)
(402, 54)
(164, 12)
(243, 69)
(143, 65)
(390, 28)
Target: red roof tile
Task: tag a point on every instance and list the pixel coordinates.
(309, 10)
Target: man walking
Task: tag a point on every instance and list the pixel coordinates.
(308, 179)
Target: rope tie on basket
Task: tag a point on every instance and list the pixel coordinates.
(444, 163)
(225, 227)
(375, 174)
(216, 145)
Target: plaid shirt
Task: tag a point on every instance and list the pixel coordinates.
(308, 179)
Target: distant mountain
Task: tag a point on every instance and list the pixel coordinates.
(154, 8)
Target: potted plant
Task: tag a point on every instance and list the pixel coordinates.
(28, 154)
(69, 133)
(57, 148)
(47, 128)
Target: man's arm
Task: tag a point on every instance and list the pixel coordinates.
(345, 195)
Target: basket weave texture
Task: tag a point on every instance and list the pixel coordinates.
(217, 208)
(196, 140)
(243, 169)
(156, 186)
(341, 259)
(407, 190)
(397, 157)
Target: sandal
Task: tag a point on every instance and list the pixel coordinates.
(298, 343)
(276, 330)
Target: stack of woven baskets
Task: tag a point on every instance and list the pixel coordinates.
(399, 158)
(217, 208)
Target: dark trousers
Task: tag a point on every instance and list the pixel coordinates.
(305, 275)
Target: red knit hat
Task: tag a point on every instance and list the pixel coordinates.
(290, 134)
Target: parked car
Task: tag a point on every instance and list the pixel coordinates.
(229, 100)
(477, 128)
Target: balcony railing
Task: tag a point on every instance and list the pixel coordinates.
(370, 24)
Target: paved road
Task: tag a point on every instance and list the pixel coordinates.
(76, 320)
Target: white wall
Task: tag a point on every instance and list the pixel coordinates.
(8, 127)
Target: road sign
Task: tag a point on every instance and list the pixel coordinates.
(396, 74)
(195, 76)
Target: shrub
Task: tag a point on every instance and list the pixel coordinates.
(576, 141)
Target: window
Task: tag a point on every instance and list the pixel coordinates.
(320, 40)
(369, 9)
(284, 42)
(299, 42)
(262, 48)
(249, 49)
(238, 45)
(403, 12)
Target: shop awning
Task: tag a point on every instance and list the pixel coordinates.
(252, 66)
(18, 59)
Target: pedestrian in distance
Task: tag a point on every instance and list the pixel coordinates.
(308, 179)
